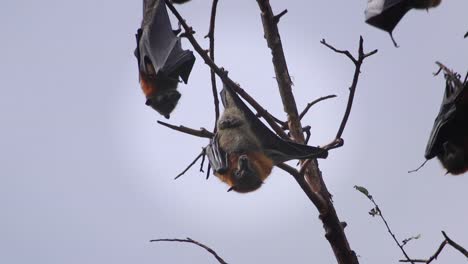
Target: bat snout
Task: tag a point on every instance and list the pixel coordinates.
(243, 162)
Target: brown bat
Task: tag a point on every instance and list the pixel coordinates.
(161, 59)
(244, 150)
(449, 136)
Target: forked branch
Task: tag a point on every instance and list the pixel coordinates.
(447, 241)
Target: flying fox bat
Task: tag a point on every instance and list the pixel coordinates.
(449, 136)
(244, 150)
(385, 14)
(161, 59)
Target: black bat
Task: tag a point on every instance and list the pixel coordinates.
(161, 59)
(449, 136)
(385, 14)
(244, 150)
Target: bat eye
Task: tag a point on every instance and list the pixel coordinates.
(148, 102)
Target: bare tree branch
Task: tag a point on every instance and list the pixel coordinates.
(210, 35)
(202, 154)
(222, 73)
(352, 89)
(309, 105)
(189, 240)
(194, 132)
(455, 245)
(447, 241)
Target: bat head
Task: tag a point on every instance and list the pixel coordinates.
(245, 177)
(454, 158)
(164, 102)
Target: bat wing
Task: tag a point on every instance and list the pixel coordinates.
(385, 14)
(157, 42)
(454, 91)
(276, 148)
(217, 157)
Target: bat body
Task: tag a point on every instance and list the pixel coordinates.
(385, 14)
(244, 151)
(449, 136)
(161, 59)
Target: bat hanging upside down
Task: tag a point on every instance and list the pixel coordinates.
(449, 136)
(161, 59)
(244, 151)
(385, 14)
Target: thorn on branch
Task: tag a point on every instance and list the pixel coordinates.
(189, 240)
(277, 17)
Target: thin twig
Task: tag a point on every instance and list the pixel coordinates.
(309, 105)
(222, 73)
(189, 240)
(455, 245)
(352, 89)
(194, 132)
(202, 154)
(210, 35)
(446, 241)
(377, 211)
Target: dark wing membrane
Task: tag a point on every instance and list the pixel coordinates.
(216, 156)
(385, 14)
(440, 130)
(454, 91)
(276, 148)
(158, 43)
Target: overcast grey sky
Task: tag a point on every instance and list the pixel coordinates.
(87, 174)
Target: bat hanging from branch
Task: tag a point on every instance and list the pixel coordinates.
(244, 150)
(385, 14)
(161, 59)
(449, 136)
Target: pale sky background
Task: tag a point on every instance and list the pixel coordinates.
(87, 174)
